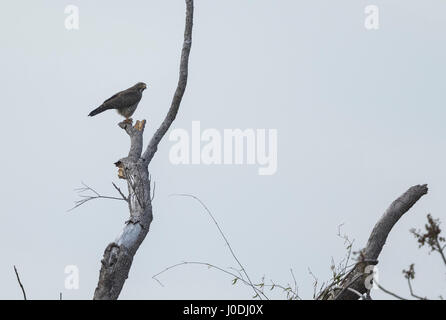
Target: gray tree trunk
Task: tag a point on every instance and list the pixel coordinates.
(118, 255)
(354, 284)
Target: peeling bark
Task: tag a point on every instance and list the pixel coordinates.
(118, 255)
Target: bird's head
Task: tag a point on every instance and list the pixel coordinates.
(140, 86)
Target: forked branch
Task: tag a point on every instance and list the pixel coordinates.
(93, 194)
(118, 256)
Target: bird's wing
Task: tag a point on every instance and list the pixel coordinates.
(124, 98)
(112, 97)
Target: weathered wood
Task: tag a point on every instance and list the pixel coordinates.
(354, 284)
(118, 255)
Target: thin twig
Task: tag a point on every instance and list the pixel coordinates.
(347, 286)
(86, 198)
(296, 289)
(209, 265)
(411, 291)
(20, 283)
(120, 192)
(179, 91)
(315, 283)
(389, 292)
(224, 238)
(440, 250)
(238, 277)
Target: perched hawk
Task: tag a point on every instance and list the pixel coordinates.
(125, 102)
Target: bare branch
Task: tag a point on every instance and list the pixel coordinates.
(389, 292)
(118, 256)
(223, 236)
(20, 283)
(209, 265)
(240, 275)
(356, 278)
(296, 288)
(396, 210)
(120, 192)
(181, 87)
(409, 283)
(96, 195)
(432, 237)
(441, 252)
(236, 277)
(136, 136)
(409, 274)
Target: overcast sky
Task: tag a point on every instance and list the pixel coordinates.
(359, 114)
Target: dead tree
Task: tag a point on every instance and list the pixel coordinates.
(350, 282)
(354, 284)
(118, 255)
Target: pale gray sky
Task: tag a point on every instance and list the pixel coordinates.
(360, 118)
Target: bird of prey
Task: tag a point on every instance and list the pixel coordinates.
(125, 102)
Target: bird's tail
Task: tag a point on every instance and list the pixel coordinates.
(99, 109)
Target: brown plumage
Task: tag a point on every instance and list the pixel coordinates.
(125, 102)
